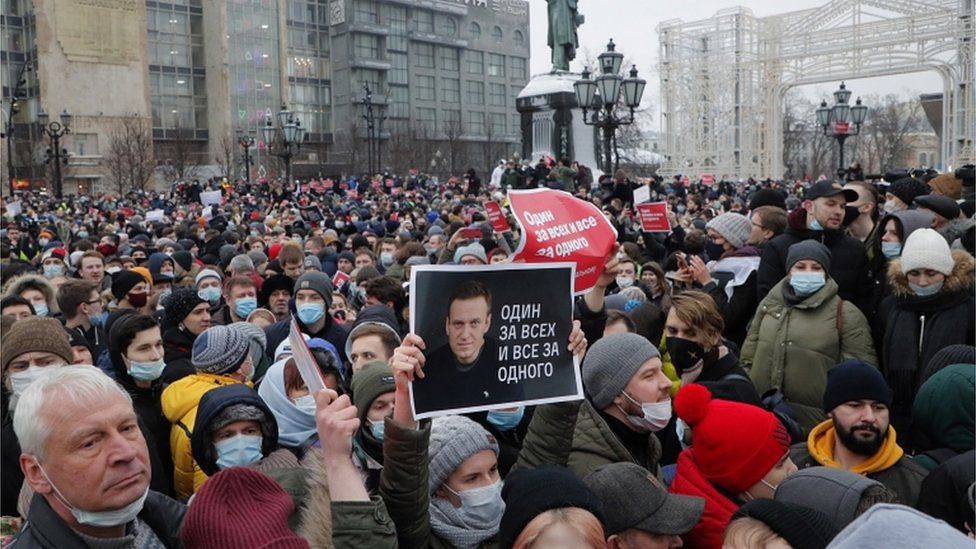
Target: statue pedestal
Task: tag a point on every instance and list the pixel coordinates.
(552, 123)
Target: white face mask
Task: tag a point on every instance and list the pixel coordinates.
(656, 415)
(306, 404)
(481, 508)
(624, 281)
(101, 519)
(21, 380)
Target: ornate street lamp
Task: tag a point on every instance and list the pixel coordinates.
(246, 141)
(56, 155)
(836, 121)
(285, 140)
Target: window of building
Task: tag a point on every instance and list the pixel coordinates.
(497, 34)
(518, 68)
(424, 55)
(496, 94)
(450, 90)
(427, 118)
(448, 26)
(366, 46)
(519, 37)
(496, 64)
(476, 93)
(516, 125)
(399, 102)
(475, 30)
(497, 121)
(475, 123)
(85, 143)
(366, 11)
(396, 17)
(425, 87)
(367, 76)
(475, 61)
(423, 21)
(448, 58)
(398, 73)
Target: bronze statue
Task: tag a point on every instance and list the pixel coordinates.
(564, 19)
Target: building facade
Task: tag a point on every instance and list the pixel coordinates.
(198, 74)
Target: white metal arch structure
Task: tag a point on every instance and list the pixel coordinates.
(723, 79)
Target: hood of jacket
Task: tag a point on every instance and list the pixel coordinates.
(155, 262)
(954, 229)
(944, 410)
(821, 441)
(26, 281)
(211, 405)
(689, 481)
(183, 395)
(910, 220)
(960, 279)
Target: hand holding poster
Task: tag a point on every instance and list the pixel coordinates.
(307, 367)
(497, 217)
(154, 215)
(556, 226)
(210, 197)
(491, 340)
(654, 217)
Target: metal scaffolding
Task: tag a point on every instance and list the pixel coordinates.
(724, 79)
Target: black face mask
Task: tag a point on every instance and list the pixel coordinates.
(685, 353)
(850, 214)
(714, 250)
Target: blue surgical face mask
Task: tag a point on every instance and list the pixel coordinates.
(806, 283)
(926, 291)
(891, 249)
(386, 259)
(306, 404)
(377, 428)
(51, 271)
(815, 225)
(146, 371)
(98, 319)
(245, 306)
(41, 309)
(310, 313)
(483, 507)
(506, 420)
(211, 294)
(82, 234)
(238, 450)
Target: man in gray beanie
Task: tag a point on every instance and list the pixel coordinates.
(312, 299)
(628, 399)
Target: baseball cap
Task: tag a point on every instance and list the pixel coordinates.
(825, 188)
(640, 501)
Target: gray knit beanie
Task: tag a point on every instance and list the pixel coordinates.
(237, 412)
(454, 439)
(611, 362)
(241, 263)
(317, 281)
(733, 227)
(220, 350)
(808, 249)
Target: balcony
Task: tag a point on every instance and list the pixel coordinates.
(367, 28)
(437, 39)
(369, 63)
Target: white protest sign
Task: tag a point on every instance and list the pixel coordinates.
(14, 208)
(307, 367)
(154, 215)
(642, 194)
(210, 197)
(208, 213)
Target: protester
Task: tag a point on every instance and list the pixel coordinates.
(898, 527)
(771, 523)
(312, 298)
(82, 307)
(373, 394)
(374, 335)
(38, 291)
(944, 415)
(187, 316)
(841, 495)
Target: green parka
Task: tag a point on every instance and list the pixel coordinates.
(792, 347)
(595, 444)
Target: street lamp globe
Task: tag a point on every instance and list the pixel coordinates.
(43, 117)
(299, 131)
(611, 59)
(858, 112)
(66, 118)
(585, 89)
(823, 114)
(843, 95)
(284, 116)
(609, 86)
(633, 88)
(290, 130)
(268, 131)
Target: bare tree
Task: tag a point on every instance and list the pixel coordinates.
(178, 160)
(226, 146)
(130, 154)
(452, 129)
(887, 129)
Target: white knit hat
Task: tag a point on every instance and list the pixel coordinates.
(733, 227)
(926, 249)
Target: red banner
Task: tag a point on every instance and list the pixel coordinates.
(708, 179)
(353, 194)
(328, 183)
(654, 217)
(557, 227)
(497, 217)
(339, 279)
(842, 127)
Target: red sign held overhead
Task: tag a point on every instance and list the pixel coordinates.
(708, 179)
(329, 184)
(497, 217)
(339, 279)
(558, 227)
(654, 217)
(842, 126)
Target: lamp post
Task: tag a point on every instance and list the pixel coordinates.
(374, 123)
(837, 120)
(55, 154)
(602, 94)
(8, 132)
(246, 142)
(285, 140)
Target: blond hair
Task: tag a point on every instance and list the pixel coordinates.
(583, 522)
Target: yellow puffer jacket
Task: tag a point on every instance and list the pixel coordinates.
(179, 402)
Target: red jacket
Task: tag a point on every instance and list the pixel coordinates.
(689, 481)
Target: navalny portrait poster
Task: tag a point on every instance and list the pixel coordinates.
(496, 336)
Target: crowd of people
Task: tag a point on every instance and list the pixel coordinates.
(791, 364)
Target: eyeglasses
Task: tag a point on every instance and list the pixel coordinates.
(92, 302)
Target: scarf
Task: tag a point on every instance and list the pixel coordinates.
(821, 447)
(295, 427)
(739, 267)
(447, 523)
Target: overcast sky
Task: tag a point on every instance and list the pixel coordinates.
(632, 24)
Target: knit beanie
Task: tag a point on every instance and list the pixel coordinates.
(833, 491)
(240, 507)
(611, 362)
(808, 249)
(313, 262)
(454, 439)
(241, 262)
(767, 197)
(736, 444)
(530, 492)
(179, 304)
(206, 273)
(475, 249)
(258, 257)
(373, 380)
(899, 527)
(946, 356)
(854, 379)
(144, 272)
(907, 188)
(926, 249)
(220, 350)
(317, 281)
(733, 227)
(123, 282)
(35, 334)
(801, 527)
(184, 259)
(946, 184)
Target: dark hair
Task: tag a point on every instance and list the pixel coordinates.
(73, 293)
(873, 495)
(648, 320)
(290, 253)
(614, 316)
(120, 336)
(386, 289)
(469, 289)
(773, 218)
(12, 300)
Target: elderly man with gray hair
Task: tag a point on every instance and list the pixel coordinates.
(86, 460)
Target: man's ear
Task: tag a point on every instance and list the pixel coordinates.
(33, 475)
(808, 206)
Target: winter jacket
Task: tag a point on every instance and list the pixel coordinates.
(736, 302)
(47, 530)
(915, 328)
(179, 402)
(848, 261)
(595, 444)
(689, 481)
(944, 415)
(945, 492)
(791, 347)
(404, 483)
(889, 466)
(13, 477)
(177, 353)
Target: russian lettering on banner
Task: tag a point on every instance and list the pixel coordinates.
(558, 227)
(497, 217)
(654, 217)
